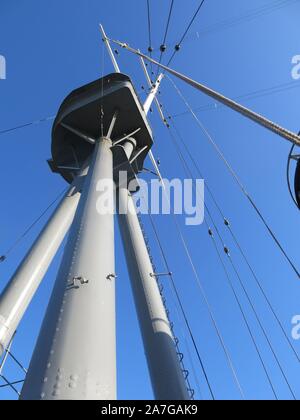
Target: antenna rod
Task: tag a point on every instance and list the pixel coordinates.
(257, 118)
(152, 95)
(149, 81)
(109, 49)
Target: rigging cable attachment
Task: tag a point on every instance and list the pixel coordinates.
(235, 106)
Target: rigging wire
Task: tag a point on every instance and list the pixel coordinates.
(237, 243)
(242, 110)
(203, 293)
(229, 281)
(237, 20)
(155, 63)
(212, 317)
(7, 353)
(163, 45)
(189, 174)
(17, 361)
(209, 107)
(178, 46)
(168, 22)
(255, 13)
(161, 288)
(176, 292)
(8, 384)
(3, 362)
(201, 397)
(164, 301)
(241, 282)
(236, 178)
(227, 252)
(174, 288)
(35, 122)
(262, 327)
(205, 298)
(248, 96)
(150, 48)
(265, 91)
(31, 226)
(149, 24)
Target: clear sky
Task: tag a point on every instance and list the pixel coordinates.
(52, 48)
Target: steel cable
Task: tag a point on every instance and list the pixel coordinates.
(237, 179)
(237, 243)
(189, 173)
(177, 48)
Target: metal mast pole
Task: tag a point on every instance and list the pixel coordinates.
(75, 356)
(20, 290)
(110, 51)
(166, 375)
(152, 94)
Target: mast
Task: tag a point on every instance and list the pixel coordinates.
(167, 378)
(75, 356)
(20, 290)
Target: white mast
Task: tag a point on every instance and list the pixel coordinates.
(20, 290)
(75, 356)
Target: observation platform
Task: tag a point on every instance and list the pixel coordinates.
(86, 114)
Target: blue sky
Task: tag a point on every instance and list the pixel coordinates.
(52, 48)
